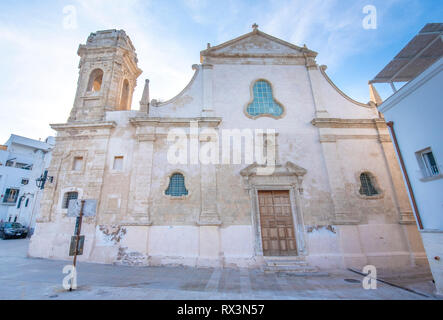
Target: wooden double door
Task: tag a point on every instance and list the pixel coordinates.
(277, 225)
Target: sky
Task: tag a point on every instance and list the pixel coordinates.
(39, 42)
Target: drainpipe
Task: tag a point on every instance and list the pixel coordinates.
(390, 124)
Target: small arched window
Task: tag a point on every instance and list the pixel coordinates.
(367, 186)
(263, 102)
(95, 80)
(125, 95)
(176, 186)
(68, 196)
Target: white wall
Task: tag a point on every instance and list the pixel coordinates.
(10, 178)
(417, 113)
(26, 151)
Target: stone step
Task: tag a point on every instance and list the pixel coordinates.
(298, 271)
(296, 266)
(285, 258)
(286, 263)
(304, 268)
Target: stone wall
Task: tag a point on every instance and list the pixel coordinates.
(324, 141)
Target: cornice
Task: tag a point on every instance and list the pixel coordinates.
(345, 123)
(344, 95)
(288, 169)
(335, 137)
(161, 122)
(211, 51)
(84, 125)
(256, 60)
(196, 68)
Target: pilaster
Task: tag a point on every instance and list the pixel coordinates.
(140, 187)
(207, 74)
(405, 214)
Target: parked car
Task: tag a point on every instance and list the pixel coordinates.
(12, 230)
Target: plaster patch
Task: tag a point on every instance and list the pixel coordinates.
(310, 229)
(130, 258)
(110, 235)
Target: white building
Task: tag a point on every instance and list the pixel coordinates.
(414, 113)
(22, 161)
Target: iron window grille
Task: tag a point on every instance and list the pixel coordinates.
(367, 188)
(67, 197)
(176, 186)
(263, 101)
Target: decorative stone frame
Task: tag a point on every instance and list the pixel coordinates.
(120, 95)
(107, 207)
(86, 75)
(78, 154)
(164, 186)
(113, 171)
(374, 182)
(421, 165)
(285, 177)
(64, 211)
(88, 82)
(251, 92)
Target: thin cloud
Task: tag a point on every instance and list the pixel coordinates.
(39, 60)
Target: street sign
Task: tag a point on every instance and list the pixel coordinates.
(78, 241)
(89, 209)
(77, 225)
(74, 206)
(81, 242)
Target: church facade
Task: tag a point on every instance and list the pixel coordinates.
(259, 157)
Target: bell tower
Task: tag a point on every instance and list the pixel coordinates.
(107, 76)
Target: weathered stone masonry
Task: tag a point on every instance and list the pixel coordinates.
(325, 142)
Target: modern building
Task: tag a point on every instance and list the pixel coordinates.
(414, 115)
(259, 157)
(22, 162)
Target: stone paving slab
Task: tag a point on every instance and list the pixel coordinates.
(29, 278)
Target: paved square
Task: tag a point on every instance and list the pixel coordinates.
(29, 278)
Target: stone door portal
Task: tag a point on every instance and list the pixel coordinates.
(277, 226)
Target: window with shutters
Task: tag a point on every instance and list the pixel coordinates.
(429, 168)
(11, 195)
(19, 202)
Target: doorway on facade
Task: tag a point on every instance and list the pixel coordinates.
(277, 225)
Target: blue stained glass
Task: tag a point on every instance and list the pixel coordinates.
(176, 186)
(263, 102)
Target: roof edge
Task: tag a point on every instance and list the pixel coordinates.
(344, 95)
(308, 52)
